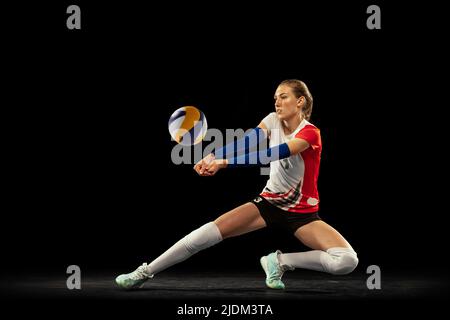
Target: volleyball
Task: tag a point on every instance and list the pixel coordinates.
(188, 125)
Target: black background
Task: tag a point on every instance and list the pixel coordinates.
(89, 178)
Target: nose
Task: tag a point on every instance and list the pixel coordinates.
(277, 103)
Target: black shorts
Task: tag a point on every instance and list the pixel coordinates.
(276, 217)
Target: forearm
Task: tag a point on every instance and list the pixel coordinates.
(259, 158)
(242, 146)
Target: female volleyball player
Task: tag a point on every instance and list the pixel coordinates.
(290, 198)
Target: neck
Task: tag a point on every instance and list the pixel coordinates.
(292, 123)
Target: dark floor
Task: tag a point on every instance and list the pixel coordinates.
(230, 295)
(299, 286)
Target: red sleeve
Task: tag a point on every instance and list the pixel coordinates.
(311, 135)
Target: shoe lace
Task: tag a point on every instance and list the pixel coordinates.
(277, 274)
(139, 273)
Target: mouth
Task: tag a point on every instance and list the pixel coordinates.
(278, 111)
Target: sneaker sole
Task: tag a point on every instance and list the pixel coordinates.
(122, 287)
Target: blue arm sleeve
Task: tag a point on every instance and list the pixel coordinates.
(260, 158)
(242, 146)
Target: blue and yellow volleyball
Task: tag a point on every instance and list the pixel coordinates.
(188, 125)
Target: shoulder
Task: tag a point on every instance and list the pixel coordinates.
(310, 133)
(272, 116)
(270, 120)
(309, 127)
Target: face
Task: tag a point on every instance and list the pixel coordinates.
(286, 104)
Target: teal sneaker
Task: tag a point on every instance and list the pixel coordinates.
(273, 270)
(135, 279)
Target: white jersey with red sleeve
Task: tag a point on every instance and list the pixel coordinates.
(292, 185)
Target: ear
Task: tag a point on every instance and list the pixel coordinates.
(301, 101)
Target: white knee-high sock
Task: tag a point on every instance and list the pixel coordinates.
(335, 260)
(199, 239)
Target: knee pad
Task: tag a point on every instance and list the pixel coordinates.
(340, 261)
(202, 238)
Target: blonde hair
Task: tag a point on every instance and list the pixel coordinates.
(300, 89)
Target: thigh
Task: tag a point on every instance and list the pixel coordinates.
(319, 235)
(243, 219)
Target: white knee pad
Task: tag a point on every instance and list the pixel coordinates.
(339, 261)
(202, 238)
